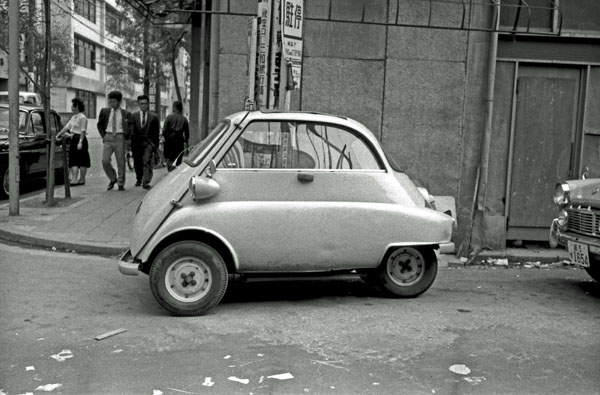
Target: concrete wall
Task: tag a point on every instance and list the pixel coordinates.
(421, 91)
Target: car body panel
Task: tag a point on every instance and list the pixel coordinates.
(32, 144)
(309, 236)
(584, 199)
(273, 221)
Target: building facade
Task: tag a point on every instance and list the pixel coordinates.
(422, 91)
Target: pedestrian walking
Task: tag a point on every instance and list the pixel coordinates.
(79, 156)
(176, 132)
(144, 144)
(114, 125)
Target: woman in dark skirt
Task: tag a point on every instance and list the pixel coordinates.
(176, 132)
(79, 156)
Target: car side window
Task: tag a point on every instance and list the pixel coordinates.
(299, 145)
(37, 123)
(54, 124)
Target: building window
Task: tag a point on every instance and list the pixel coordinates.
(113, 21)
(89, 100)
(85, 53)
(86, 8)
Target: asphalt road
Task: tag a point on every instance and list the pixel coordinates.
(519, 331)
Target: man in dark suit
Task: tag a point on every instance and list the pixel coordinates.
(145, 141)
(114, 125)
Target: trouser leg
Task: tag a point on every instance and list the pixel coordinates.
(147, 160)
(120, 156)
(107, 152)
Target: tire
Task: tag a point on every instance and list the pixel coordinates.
(188, 278)
(4, 184)
(406, 272)
(594, 269)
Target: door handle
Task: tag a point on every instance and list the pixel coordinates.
(303, 177)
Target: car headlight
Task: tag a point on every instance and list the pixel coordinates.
(561, 194)
(563, 220)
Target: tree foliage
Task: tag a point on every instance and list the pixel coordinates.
(154, 48)
(33, 34)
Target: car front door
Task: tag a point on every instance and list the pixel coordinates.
(33, 144)
(306, 197)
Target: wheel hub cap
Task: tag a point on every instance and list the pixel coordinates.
(406, 266)
(188, 279)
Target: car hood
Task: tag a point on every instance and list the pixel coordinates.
(585, 191)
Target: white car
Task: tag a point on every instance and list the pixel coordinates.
(272, 193)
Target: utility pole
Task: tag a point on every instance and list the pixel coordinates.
(13, 99)
(146, 59)
(31, 43)
(46, 88)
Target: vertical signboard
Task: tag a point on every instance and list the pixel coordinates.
(264, 41)
(250, 103)
(292, 21)
(275, 67)
(152, 98)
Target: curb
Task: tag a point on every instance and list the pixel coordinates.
(65, 246)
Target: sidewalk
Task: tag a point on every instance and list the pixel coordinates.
(93, 221)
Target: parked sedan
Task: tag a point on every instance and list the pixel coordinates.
(273, 193)
(577, 226)
(32, 144)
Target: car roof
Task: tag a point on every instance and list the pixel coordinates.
(310, 116)
(24, 107)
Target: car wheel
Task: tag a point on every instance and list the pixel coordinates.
(594, 269)
(407, 271)
(188, 278)
(5, 181)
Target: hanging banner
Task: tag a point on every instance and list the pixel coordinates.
(264, 42)
(275, 66)
(292, 21)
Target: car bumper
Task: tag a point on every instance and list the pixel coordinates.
(562, 238)
(128, 265)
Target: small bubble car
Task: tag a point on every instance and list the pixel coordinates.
(282, 193)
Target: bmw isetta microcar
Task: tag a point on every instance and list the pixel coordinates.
(277, 193)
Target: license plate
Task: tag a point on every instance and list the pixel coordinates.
(579, 254)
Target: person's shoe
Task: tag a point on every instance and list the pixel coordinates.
(138, 183)
(147, 186)
(121, 188)
(111, 185)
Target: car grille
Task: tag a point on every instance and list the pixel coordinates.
(584, 221)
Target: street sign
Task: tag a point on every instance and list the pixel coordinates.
(275, 67)
(292, 16)
(264, 33)
(152, 88)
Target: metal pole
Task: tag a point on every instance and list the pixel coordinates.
(215, 26)
(204, 82)
(489, 110)
(195, 80)
(13, 99)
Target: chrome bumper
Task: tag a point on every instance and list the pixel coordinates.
(127, 264)
(562, 238)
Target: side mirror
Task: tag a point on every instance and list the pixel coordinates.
(211, 169)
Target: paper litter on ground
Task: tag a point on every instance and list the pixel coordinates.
(208, 382)
(227, 357)
(48, 387)
(63, 355)
(238, 380)
(29, 368)
(281, 376)
(157, 392)
(460, 369)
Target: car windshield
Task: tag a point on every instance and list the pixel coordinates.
(4, 122)
(196, 152)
